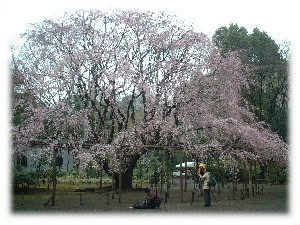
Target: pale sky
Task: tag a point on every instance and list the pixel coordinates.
(277, 17)
(274, 17)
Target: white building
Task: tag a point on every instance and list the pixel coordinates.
(32, 160)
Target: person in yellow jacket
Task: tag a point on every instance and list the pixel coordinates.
(206, 187)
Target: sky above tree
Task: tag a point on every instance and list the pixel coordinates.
(206, 16)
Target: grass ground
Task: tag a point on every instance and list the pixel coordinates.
(274, 199)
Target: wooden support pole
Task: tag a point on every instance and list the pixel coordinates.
(250, 173)
(120, 186)
(168, 172)
(113, 184)
(166, 197)
(161, 180)
(268, 175)
(218, 164)
(236, 180)
(277, 174)
(107, 195)
(161, 172)
(193, 197)
(185, 175)
(168, 182)
(201, 183)
(181, 180)
(242, 194)
(22, 200)
(255, 174)
(54, 175)
(245, 176)
(233, 183)
(120, 176)
(80, 199)
(101, 174)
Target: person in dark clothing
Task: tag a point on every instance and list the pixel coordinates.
(152, 201)
(153, 198)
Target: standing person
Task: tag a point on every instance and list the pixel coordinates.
(206, 187)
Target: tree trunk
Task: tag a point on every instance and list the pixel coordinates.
(126, 176)
(126, 179)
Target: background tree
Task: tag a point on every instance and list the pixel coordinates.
(269, 79)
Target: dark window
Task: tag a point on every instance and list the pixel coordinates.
(22, 160)
(59, 161)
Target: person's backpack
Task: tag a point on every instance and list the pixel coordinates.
(212, 182)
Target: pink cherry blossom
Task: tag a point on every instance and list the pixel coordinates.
(124, 81)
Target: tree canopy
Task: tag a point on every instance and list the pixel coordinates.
(127, 80)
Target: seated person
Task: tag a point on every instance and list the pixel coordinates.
(152, 201)
(153, 198)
